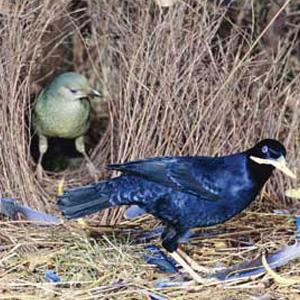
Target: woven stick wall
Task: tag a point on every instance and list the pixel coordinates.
(175, 83)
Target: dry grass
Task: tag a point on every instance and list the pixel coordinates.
(109, 266)
(192, 79)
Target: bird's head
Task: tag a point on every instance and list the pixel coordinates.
(270, 152)
(72, 86)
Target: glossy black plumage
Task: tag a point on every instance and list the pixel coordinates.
(185, 192)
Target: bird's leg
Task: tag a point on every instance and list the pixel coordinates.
(170, 238)
(187, 268)
(43, 146)
(193, 264)
(80, 147)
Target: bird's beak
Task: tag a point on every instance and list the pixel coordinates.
(95, 92)
(279, 164)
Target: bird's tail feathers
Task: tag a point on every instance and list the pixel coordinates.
(78, 202)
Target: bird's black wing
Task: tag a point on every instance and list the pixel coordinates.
(186, 174)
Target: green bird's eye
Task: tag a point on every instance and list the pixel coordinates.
(73, 91)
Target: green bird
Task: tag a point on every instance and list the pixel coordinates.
(62, 110)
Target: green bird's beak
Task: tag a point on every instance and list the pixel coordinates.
(279, 163)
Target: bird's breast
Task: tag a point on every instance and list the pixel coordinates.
(63, 119)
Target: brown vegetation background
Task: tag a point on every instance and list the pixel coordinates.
(198, 78)
(193, 79)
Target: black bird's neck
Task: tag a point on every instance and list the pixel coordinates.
(260, 173)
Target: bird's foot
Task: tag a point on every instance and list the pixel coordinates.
(193, 264)
(196, 277)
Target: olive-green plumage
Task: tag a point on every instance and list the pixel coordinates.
(62, 110)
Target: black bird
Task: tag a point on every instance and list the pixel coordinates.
(183, 191)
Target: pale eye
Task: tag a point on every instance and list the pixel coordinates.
(264, 149)
(73, 91)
